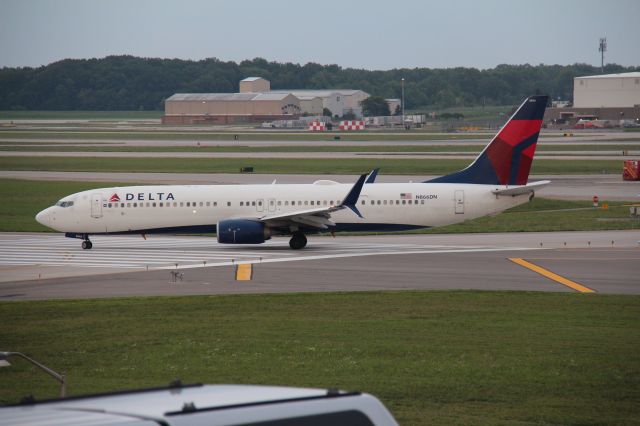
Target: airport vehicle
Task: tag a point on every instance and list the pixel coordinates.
(195, 405)
(251, 214)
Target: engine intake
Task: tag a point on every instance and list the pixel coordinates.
(242, 232)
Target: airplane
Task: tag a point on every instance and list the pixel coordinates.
(251, 214)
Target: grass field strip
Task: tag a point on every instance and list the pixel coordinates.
(195, 252)
(551, 275)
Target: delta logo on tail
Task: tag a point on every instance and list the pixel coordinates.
(507, 159)
(114, 199)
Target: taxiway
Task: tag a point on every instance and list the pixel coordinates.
(48, 266)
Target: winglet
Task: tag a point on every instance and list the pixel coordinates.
(352, 197)
(372, 176)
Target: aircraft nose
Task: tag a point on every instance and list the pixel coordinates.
(44, 217)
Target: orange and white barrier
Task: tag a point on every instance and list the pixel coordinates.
(316, 126)
(352, 125)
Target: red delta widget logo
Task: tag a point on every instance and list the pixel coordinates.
(114, 199)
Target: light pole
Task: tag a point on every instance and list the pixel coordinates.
(59, 377)
(402, 101)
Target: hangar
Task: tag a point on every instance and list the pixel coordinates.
(613, 97)
(256, 102)
(338, 101)
(607, 91)
(229, 108)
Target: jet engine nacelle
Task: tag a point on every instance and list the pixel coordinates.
(239, 231)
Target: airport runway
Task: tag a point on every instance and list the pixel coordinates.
(48, 266)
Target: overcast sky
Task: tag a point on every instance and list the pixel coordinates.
(368, 34)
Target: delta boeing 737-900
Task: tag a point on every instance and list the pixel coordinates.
(251, 214)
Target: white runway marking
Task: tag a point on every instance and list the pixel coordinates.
(168, 252)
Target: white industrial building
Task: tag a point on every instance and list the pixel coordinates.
(607, 91)
(338, 101)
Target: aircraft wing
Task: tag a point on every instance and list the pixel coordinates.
(524, 189)
(319, 217)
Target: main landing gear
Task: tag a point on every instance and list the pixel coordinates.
(298, 241)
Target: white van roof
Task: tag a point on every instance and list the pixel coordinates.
(195, 405)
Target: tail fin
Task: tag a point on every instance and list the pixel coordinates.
(508, 157)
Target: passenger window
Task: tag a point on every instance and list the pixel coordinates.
(181, 204)
(153, 205)
(160, 204)
(379, 202)
(421, 201)
(372, 202)
(404, 201)
(363, 202)
(201, 204)
(385, 202)
(397, 202)
(215, 204)
(241, 203)
(228, 203)
(279, 203)
(306, 203)
(208, 203)
(109, 205)
(311, 202)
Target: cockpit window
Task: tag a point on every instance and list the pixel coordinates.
(64, 203)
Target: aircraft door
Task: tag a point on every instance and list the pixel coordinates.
(96, 205)
(272, 204)
(260, 205)
(459, 201)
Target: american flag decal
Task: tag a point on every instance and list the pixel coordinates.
(406, 196)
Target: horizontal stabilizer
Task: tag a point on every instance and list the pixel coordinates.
(525, 189)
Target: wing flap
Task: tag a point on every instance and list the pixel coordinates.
(320, 217)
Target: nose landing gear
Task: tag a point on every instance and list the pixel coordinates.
(298, 241)
(86, 243)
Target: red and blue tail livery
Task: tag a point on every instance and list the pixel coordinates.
(507, 159)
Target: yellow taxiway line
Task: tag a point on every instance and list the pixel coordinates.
(551, 275)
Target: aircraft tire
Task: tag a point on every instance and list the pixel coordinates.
(298, 241)
(87, 245)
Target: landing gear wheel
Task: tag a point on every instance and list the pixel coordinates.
(87, 245)
(298, 241)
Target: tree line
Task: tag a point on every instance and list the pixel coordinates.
(132, 83)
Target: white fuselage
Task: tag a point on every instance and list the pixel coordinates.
(384, 206)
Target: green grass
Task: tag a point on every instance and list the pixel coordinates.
(23, 199)
(432, 357)
(288, 165)
(105, 147)
(79, 115)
